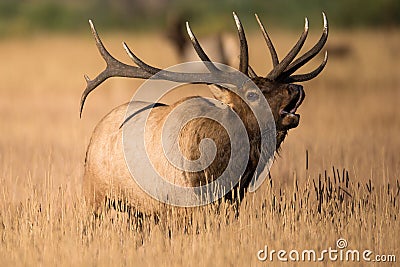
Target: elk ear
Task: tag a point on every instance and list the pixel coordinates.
(221, 93)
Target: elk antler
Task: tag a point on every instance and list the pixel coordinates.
(203, 56)
(280, 73)
(282, 70)
(199, 50)
(274, 56)
(311, 53)
(278, 69)
(244, 53)
(115, 68)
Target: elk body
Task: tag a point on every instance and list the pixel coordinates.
(106, 172)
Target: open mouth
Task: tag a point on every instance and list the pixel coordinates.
(291, 108)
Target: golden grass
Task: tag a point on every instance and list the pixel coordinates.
(350, 121)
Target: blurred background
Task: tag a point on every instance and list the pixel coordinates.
(27, 16)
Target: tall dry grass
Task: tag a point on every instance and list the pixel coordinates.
(349, 126)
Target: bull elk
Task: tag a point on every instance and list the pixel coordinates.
(107, 174)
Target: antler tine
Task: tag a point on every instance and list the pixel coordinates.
(278, 69)
(113, 68)
(199, 50)
(274, 55)
(310, 75)
(311, 53)
(244, 53)
(150, 69)
(252, 73)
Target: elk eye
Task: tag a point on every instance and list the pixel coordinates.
(252, 96)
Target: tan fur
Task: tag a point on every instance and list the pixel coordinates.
(106, 173)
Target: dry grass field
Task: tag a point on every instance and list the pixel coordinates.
(350, 126)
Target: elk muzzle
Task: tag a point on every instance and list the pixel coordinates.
(289, 118)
